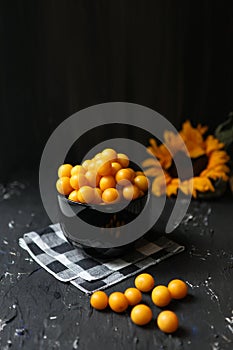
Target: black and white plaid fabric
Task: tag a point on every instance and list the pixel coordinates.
(50, 249)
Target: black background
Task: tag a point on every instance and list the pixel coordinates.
(58, 57)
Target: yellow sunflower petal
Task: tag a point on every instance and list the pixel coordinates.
(153, 142)
(158, 186)
(222, 167)
(202, 128)
(164, 157)
(171, 189)
(203, 184)
(220, 154)
(151, 162)
(194, 150)
(212, 144)
(160, 183)
(160, 152)
(175, 181)
(154, 147)
(193, 140)
(186, 186)
(174, 142)
(214, 174)
(164, 151)
(168, 178)
(153, 171)
(150, 150)
(220, 170)
(191, 134)
(217, 158)
(205, 172)
(221, 175)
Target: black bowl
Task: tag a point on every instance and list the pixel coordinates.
(100, 229)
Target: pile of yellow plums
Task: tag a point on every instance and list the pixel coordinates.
(106, 178)
(141, 314)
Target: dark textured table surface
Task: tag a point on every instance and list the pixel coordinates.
(39, 312)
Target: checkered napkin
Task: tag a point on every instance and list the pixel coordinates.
(50, 249)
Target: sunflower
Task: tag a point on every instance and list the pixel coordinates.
(208, 158)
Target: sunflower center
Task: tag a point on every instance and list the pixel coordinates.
(199, 164)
